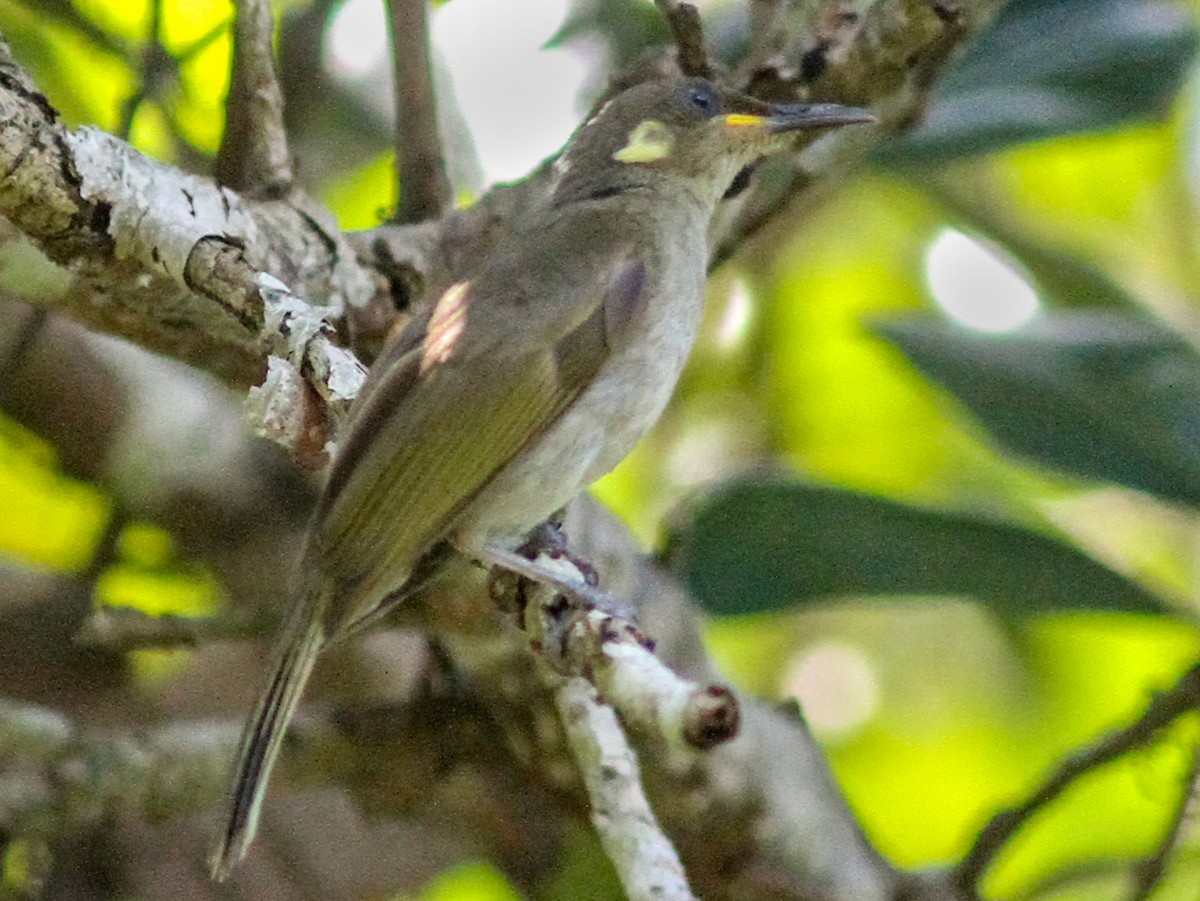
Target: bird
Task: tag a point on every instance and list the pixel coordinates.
(521, 383)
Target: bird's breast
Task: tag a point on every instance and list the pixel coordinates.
(634, 385)
(609, 416)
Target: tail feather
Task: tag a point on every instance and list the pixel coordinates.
(264, 735)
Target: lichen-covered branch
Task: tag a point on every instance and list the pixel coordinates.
(168, 260)
(310, 382)
(748, 816)
(74, 779)
(579, 632)
(883, 55)
(646, 862)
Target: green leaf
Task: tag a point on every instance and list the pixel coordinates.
(757, 545)
(1055, 67)
(1105, 396)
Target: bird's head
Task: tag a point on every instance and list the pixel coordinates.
(686, 132)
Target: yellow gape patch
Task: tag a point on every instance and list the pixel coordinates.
(740, 120)
(649, 141)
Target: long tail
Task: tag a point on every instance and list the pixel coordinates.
(265, 730)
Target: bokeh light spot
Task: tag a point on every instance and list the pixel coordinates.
(358, 38)
(519, 99)
(736, 318)
(976, 286)
(836, 685)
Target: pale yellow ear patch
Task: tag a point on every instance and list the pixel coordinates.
(650, 140)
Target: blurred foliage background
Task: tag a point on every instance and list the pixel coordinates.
(935, 465)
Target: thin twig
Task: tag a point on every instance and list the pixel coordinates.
(254, 155)
(1148, 873)
(158, 74)
(1162, 710)
(684, 21)
(646, 862)
(421, 179)
(763, 33)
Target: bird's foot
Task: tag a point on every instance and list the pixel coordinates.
(544, 560)
(548, 538)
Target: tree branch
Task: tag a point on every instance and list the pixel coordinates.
(232, 503)
(420, 163)
(128, 629)
(254, 156)
(84, 778)
(764, 36)
(646, 862)
(882, 55)
(759, 810)
(579, 632)
(684, 21)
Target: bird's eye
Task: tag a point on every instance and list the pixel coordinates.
(703, 98)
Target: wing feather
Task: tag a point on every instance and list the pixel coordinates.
(420, 471)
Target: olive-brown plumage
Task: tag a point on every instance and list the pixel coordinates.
(524, 382)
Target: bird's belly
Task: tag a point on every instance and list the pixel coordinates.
(592, 436)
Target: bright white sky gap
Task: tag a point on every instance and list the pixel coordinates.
(976, 286)
(520, 102)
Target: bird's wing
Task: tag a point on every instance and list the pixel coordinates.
(466, 396)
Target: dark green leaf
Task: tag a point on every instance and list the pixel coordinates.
(1054, 67)
(753, 546)
(1105, 396)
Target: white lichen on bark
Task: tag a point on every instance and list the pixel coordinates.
(149, 220)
